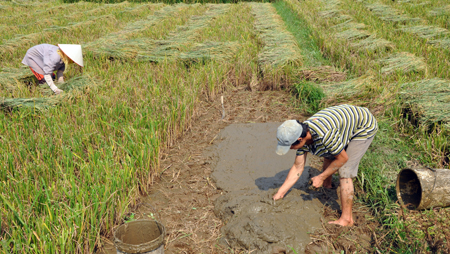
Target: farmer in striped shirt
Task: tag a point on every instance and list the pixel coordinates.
(341, 134)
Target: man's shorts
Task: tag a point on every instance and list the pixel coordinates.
(355, 151)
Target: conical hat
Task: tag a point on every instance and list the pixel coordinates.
(73, 51)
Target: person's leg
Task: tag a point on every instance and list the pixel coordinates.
(347, 192)
(355, 151)
(327, 182)
(37, 71)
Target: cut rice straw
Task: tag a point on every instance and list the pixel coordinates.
(387, 13)
(425, 32)
(71, 89)
(280, 47)
(428, 100)
(402, 62)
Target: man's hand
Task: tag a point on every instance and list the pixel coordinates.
(317, 181)
(277, 196)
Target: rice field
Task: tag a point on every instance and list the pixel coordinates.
(73, 163)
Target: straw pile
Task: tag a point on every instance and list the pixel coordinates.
(425, 32)
(428, 100)
(10, 77)
(144, 49)
(331, 4)
(184, 35)
(360, 39)
(133, 29)
(445, 11)
(31, 39)
(352, 34)
(200, 53)
(280, 47)
(82, 24)
(349, 24)
(441, 43)
(346, 89)
(20, 41)
(372, 44)
(387, 13)
(402, 62)
(71, 89)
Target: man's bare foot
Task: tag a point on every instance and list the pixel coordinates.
(342, 222)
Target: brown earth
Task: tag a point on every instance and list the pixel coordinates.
(183, 198)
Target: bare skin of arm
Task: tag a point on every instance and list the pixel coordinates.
(334, 166)
(294, 174)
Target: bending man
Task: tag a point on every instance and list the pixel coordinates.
(341, 134)
(44, 59)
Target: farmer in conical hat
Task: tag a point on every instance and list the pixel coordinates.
(341, 134)
(44, 59)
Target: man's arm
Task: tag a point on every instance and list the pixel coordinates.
(294, 174)
(334, 166)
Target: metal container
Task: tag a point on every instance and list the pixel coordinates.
(422, 188)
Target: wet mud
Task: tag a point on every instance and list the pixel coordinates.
(245, 159)
(250, 171)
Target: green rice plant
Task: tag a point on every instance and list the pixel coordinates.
(403, 62)
(426, 32)
(309, 95)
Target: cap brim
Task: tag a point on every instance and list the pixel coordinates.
(282, 150)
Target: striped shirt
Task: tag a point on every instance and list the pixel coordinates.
(333, 128)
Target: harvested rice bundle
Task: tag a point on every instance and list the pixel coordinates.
(404, 62)
(79, 24)
(387, 13)
(21, 41)
(441, 11)
(202, 52)
(441, 43)
(425, 32)
(352, 35)
(336, 15)
(71, 88)
(349, 24)
(331, 4)
(180, 39)
(280, 47)
(126, 49)
(135, 27)
(428, 100)
(348, 88)
(10, 77)
(372, 44)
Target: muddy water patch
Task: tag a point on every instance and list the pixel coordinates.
(245, 158)
(249, 172)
